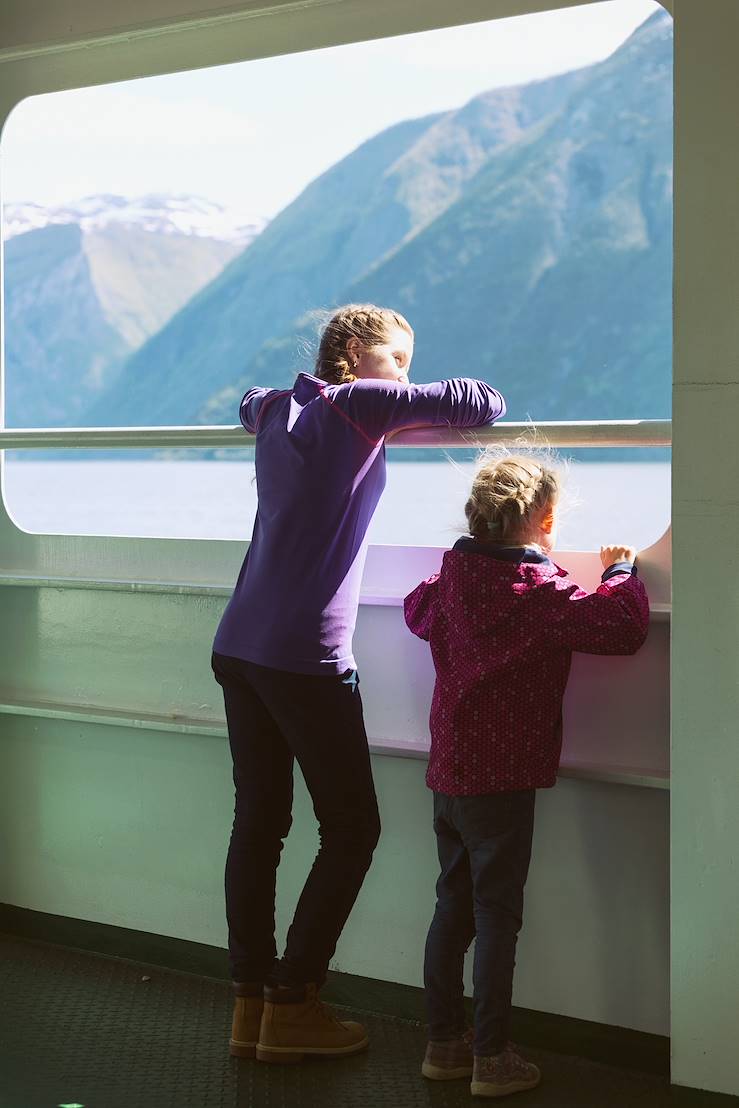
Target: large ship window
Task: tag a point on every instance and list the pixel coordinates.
(169, 241)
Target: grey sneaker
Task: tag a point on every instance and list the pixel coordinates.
(449, 1059)
(504, 1073)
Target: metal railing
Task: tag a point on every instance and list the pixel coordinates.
(601, 433)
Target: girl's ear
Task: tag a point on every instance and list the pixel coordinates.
(353, 347)
(547, 523)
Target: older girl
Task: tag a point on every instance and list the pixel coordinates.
(502, 619)
(283, 656)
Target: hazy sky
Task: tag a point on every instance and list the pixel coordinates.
(252, 135)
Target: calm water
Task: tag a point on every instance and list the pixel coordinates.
(423, 503)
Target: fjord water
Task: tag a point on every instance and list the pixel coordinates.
(423, 504)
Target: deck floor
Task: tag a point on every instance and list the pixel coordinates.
(89, 1030)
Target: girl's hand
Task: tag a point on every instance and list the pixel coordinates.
(609, 555)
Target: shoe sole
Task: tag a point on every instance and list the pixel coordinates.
(437, 1073)
(484, 1088)
(242, 1050)
(290, 1055)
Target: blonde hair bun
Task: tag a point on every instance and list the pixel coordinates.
(508, 493)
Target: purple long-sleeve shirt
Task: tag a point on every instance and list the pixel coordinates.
(320, 462)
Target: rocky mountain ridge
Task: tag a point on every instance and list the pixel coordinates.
(527, 236)
(87, 283)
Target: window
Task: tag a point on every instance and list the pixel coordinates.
(495, 190)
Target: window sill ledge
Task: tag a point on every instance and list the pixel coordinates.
(638, 776)
(371, 598)
(643, 777)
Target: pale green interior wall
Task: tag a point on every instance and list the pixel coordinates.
(705, 645)
(145, 653)
(129, 827)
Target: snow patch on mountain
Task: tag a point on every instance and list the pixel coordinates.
(159, 213)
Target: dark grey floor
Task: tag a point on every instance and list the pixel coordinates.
(88, 1030)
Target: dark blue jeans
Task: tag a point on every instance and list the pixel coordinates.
(484, 845)
(274, 718)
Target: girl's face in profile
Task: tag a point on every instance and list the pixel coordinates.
(390, 361)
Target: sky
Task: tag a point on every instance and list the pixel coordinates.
(251, 136)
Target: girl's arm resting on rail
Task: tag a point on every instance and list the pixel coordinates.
(419, 607)
(612, 620)
(378, 407)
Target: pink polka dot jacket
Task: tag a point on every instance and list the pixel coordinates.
(502, 623)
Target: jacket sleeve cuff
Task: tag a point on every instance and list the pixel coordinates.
(618, 567)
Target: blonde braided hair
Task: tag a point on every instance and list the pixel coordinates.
(507, 494)
(370, 325)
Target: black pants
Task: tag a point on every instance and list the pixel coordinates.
(273, 718)
(484, 845)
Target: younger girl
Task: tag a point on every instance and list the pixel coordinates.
(502, 620)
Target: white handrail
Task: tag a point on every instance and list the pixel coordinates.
(620, 433)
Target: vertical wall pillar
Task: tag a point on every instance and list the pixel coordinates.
(705, 659)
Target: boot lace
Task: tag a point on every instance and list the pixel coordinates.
(324, 1011)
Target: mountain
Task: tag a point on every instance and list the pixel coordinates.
(343, 225)
(551, 276)
(527, 236)
(86, 284)
(550, 273)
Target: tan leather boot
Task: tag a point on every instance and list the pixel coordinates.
(248, 1007)
(295, 1023)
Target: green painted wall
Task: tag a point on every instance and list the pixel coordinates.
(705, 647)
(129, 827)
